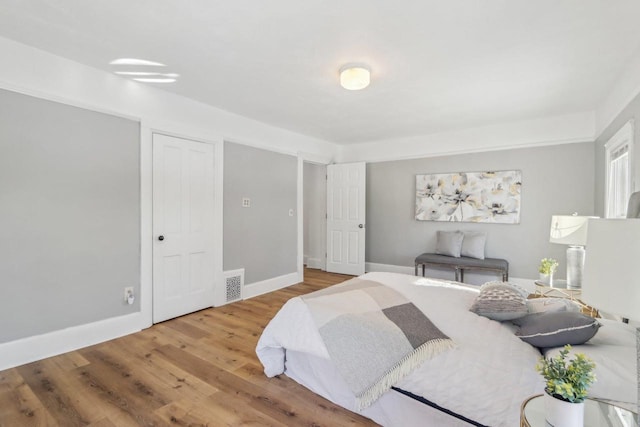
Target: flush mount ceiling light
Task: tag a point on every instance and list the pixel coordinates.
(355, 77)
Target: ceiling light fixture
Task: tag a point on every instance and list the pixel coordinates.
(135, 61)
(355, 77)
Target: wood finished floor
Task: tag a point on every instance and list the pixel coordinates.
(196, 370)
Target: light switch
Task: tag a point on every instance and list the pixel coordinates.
(246, 202)
(290, 212)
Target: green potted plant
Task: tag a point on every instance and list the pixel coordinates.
(566, 386)
(546, 269)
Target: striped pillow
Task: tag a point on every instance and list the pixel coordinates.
(556, 329)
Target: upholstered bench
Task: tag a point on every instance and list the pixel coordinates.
(460, 264)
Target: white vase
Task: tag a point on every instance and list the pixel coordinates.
(560, 413)
(544, 278)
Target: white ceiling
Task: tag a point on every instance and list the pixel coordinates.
(437, 65)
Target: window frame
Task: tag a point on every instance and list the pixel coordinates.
(624, 136)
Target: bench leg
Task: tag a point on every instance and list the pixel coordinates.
(424, 267)
(505, 276)
(457, 270)
(462, 275)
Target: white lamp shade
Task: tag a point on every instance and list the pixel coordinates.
(569, 230)
(355, 77)
(611, 280)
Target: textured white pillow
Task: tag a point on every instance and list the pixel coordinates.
(500, 301)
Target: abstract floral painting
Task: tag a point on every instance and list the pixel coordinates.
(469, 197)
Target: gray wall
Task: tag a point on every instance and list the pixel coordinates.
(261, 239)
(315, 208)
(631, 111)
(555, 180)
(69, 215)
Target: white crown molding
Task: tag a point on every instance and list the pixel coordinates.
(625, 89)
(319, 159)
(75, 84)
(571, 128)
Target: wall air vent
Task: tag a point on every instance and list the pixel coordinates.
(234, 282)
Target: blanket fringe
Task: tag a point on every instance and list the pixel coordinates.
(401, 369)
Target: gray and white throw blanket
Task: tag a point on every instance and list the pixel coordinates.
(373, 334)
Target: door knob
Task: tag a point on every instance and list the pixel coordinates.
(360, 225)
(161, 238)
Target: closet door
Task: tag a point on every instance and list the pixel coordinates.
(183, 212)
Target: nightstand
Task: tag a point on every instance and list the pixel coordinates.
(596, 414)
(560, 290)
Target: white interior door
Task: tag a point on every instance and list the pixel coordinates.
(346, 218)
(183, 232)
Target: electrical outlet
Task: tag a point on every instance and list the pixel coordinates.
(246, 202)
(128, 292)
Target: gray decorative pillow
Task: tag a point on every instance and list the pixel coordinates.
(449, 243)
(500, 301)
(555, 329)
(473, 244)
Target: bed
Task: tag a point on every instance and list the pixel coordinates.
(482, 380)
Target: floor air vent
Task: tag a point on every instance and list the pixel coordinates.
(234, 281)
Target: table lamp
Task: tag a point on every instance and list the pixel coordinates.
(612, 269)
(571, 230)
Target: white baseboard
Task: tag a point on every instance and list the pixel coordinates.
(269, 285)
(30, 349)
(315, 263)
(447, 274)
(372, 266)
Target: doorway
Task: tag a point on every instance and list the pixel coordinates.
(314, 215)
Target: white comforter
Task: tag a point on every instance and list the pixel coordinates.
(485, 378)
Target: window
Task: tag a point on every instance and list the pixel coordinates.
(619, 156)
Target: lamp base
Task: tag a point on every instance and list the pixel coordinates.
(575, 266)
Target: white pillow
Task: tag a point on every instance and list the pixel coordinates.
(544, 305)
(500, 301)
(473, 244)
(449, 243)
